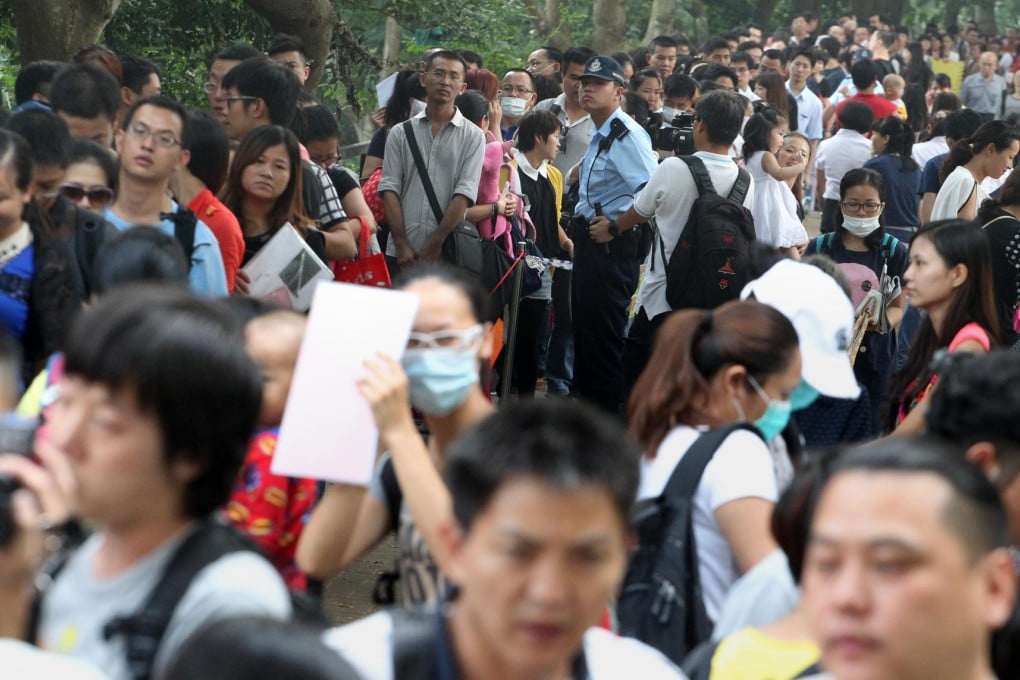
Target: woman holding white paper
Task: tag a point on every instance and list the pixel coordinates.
(439, 374)
(264, 189)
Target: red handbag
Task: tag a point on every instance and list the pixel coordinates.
(370, 189)
(366, 270)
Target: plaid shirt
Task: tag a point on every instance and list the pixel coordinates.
(331, 210)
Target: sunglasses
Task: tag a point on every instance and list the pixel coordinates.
(96, 195)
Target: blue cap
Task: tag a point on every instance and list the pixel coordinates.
(604, 68)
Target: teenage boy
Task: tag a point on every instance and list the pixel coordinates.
(663, 55)
(152, 146)
(155, 408)
(542, 494)
(221, 63)
(88, 99)
(289, 51)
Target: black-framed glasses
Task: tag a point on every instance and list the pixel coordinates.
(74, 192)
(164, 138)
(231, 98)
(868, 208)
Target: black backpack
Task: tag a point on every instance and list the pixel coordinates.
(185, 225)
(660, 601)
(710, 264)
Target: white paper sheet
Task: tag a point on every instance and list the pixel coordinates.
(285, 271)
(328, 431)
(384, 89)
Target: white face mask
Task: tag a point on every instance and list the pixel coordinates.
(513, 107)
(669, 113)
(860, 226)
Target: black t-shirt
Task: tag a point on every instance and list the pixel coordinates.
(343, 181)
(1004, 237)
(377, 145)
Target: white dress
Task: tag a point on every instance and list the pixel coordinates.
(775, 208)
(955, 193)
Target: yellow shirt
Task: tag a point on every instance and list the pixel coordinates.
(749, 654)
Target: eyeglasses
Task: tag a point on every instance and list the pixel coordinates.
(515, 89)
(140, 132)
(231, 98)
(209, 88)
(451, 339)
(326, 161)
(98, 196)
(869, 208)
(443, 76)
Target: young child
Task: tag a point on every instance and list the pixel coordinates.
(775, 207)
(270, 508)
(894, 86)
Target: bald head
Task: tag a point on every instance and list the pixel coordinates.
(988, 63)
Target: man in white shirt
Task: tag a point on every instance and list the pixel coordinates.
(809, 106)
(668, 197)
(849, 148)
(537, 548)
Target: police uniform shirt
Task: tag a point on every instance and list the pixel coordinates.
(613, 177)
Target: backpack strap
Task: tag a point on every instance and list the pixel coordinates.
(740, 187)
(702, 180)
(414, 643)
(697, 664)
(185, 226)
(823, 243)
(687, 474)
(143, 631)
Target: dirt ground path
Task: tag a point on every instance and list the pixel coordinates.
(348, 597)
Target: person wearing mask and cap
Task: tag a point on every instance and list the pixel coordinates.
(607, 259)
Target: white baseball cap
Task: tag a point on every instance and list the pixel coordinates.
(823, 317)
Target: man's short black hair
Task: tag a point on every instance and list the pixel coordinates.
(161, 101)
(679, 85)
(137, 71)
(182, 358)
(887, 38)
(978, 399)
(663, 41)
(830, 45)
(536, 124)
(273, 83)
(722, 112)
(35, 78)
(577, 55)
(236, 52)
(552, 53)
(284, 42)
(139, 255)
(773, 53)
(974, 513)
(962, 124)
(448, 55)
(713, 71)
(85, 91)
(531, 77)
(565, 445)
(856, 116)
(46, 134)
(713, 44)
(472, 57)
(795, 51)
(748, 45)
(210, 148)
(741, 57)
(863, 74)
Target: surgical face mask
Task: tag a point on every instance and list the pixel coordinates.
(860, 226)
(669, 113)
(440, 379)
(513, 107)
(803, 396)
(776, 416)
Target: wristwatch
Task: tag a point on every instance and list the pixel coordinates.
(614, 231)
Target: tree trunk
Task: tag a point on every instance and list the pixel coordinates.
(56, 29)
(610, 19)
(765, 11)
(952, 14)
(556, 31)
(984, 15)
(661, 19)
(391, 43)
(310, 20)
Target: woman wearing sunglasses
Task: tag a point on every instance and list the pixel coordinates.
(91, 178)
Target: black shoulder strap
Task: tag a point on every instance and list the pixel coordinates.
(185, 226)
(739, 191)
(414, 643)
(423, 174)
(700, 173)
(143, 631)
(697, 665)
(393, 492)
(687, 474)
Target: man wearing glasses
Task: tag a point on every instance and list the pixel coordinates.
(453, 150)
(152, 146)
(224, 60)
(517, 97)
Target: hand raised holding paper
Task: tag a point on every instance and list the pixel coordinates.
(384, 387)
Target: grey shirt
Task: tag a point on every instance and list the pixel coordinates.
(576, 137)
(984, 96)
(454, 162)
(79, 605)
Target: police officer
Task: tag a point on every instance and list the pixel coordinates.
(617, 164)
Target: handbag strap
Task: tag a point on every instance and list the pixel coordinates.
(362, 236)
(419, 163)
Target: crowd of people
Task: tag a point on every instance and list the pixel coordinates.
(727, 448)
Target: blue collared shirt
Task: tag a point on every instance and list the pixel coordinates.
(207, 276)
(614, 177)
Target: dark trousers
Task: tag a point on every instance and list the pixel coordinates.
(640, 341)
(832, 216)
(559, 361)
(526, 349)
(602, 289)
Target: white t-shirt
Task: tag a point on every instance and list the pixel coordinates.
(955, 192)
(840, 154)
(79, 605)
(925, 151)
(668, 197)
(368, 646)
(21, 660)
(742, 467)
